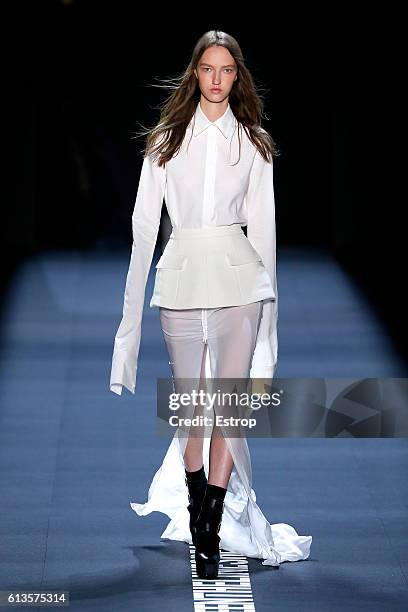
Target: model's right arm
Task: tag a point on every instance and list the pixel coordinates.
(145, 227)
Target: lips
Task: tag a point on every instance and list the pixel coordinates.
(215, 89)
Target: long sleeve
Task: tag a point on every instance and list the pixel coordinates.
(261, 232)
(145, 226)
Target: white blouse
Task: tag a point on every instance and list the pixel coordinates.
(203, 186)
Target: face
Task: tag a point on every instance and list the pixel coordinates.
(216, 73)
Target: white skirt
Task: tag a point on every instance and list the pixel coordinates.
(204, 344)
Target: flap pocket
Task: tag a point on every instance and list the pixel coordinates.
(240, 258)
(173, 262)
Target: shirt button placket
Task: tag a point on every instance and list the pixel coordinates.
(209, 180)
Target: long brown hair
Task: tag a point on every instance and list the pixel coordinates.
(246, 102)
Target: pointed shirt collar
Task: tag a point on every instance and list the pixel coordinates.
(225, 123)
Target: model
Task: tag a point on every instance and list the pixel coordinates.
(212, 163)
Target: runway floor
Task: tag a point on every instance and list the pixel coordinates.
(73, 454)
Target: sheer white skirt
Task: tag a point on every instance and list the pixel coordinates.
(204, 344)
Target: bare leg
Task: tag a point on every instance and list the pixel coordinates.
(193, 455)
(220, 460)
(232, 339)
(183, 335)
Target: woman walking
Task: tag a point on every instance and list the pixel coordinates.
(216, 289)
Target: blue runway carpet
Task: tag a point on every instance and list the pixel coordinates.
(73, 454)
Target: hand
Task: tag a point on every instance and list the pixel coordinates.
(261, 385)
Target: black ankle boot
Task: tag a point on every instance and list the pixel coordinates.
(196, 483)
(207, 553)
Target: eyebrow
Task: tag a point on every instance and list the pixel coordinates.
(227, 66)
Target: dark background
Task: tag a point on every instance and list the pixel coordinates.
(76, 85)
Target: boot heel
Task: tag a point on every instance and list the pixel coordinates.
(207, 569)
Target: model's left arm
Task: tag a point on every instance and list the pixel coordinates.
(261, 232)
